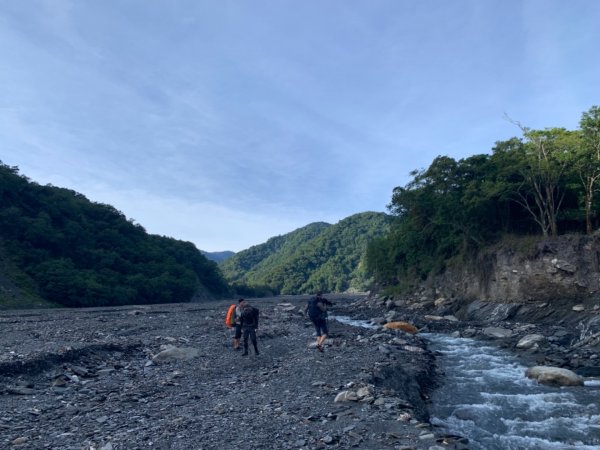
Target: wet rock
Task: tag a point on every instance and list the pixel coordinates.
(530, 340)
(497, 332)
(554, 376)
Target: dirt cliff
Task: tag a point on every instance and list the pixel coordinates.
(526, 270)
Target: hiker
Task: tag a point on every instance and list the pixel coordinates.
(316, 308)
(237, 327)
(231, 322)
(249, 325)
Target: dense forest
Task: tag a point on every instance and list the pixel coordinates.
(57, 245)
(543, 183)
(318, 256)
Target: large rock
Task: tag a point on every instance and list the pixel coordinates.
(171, 353)
(530, 341)
(346, 396)
(497, 332)
(554, 376)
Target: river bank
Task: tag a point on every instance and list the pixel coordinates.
(165, 377)
(563, 333)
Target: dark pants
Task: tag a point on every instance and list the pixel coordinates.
(320, 324)
(251, 333)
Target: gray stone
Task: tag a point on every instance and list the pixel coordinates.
(346, 396)
(530, 340)
(554, 376)
(497, 332)
(176, 353)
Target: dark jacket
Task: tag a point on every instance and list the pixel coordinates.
(316, 308)
(249, 317)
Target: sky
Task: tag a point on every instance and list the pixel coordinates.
(225, 123)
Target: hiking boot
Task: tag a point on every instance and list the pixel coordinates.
(245, 353)
(320, 348)
(256, 352)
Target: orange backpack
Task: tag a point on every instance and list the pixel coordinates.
(230, 317)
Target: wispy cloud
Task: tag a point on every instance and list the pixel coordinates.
(222, 122)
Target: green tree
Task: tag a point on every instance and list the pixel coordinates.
(587, 162)
(545, 158)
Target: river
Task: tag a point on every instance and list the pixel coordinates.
(486, 398)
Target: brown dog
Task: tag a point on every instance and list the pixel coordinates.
(404, 326)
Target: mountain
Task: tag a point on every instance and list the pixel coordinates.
(57, 246)
(218, 257)
(319, 256)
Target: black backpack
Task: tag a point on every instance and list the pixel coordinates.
(249, 315)
(314, 312)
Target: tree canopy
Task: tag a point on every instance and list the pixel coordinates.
(540, 183)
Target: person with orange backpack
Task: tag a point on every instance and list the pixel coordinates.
(232, 321)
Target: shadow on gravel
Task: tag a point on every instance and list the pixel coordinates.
(47, 361)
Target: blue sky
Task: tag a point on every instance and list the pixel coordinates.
(226, 122)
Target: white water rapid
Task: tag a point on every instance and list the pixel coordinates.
(487, 398)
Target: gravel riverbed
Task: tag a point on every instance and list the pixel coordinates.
(166, 377)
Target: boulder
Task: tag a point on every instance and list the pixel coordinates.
(346, 396)
(404, 326)
(497, 332)
(364, 392)
(554, 376)
(530, 340)
(432, 317)
(171, 353)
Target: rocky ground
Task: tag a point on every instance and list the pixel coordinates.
(563, 333)
(166, 377)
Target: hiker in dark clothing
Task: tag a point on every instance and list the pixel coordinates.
(249, 324)
(316, 308)
(238, 327)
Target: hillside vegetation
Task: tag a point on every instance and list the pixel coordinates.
(218, 257)
(57, 246)
(318, 256)
(542, 184)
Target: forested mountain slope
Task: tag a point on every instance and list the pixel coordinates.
(218, 256)
(318, 256)
(63, 248)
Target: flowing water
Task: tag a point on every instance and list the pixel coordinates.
(486, 397)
